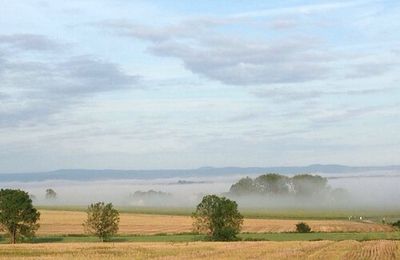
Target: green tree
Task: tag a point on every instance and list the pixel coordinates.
(102, 220)
(51, 194)
(273, 183)
(18, 217)
(244, 186)
(309, 185)
(218, 217)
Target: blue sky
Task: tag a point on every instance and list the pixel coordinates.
(179, 84)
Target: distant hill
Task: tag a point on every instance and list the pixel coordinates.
(92, 175)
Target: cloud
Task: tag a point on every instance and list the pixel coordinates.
(31, 42)
(333, 116)
(3, 96)
(300, 9)
(341, 115)
(280, 94)
(235, 60)
(234, 49)
(33, 90)
(283, 24)
(372, 69)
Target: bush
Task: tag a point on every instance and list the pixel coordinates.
(396, 224)
(303, 228)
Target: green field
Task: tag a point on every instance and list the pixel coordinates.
(243, 236)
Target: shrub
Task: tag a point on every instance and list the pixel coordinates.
(303, 228)
(396, 224)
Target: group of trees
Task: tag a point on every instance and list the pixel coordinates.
(151, 198)
(275, 184)
(20, 219)
(218, 217)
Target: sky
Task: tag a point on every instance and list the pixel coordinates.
(100, 84)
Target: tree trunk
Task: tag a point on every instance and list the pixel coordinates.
(13, 236)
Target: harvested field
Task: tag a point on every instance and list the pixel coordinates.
(70, 222)
(381, 249)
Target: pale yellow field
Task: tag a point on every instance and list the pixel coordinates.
(70, 222)
(382, 249)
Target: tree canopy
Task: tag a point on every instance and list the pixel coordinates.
(275, 184)
(18, 217)
(102, 220)
(218, 217)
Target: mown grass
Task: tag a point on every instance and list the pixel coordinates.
(314, 214)
(197, 237)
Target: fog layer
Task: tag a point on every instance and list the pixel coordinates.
(380, 191)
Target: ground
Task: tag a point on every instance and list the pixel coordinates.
(382, 249)
(55, 222)
(154, 236)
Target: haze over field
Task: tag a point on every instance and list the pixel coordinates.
(364, 189)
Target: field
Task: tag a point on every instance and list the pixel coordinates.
(56, 222)
(145, 234)
(293, 213)
(382, 249)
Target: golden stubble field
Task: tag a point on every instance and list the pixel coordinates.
(70, 222)
(381, 249)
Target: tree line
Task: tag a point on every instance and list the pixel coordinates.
(272, 184)
(217, 217)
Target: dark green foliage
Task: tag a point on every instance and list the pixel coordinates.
(218, 217)
(275, 184)
(244, 186)
(303, 227)
(308, 185)
(102, 220)
(396, 224)
(18, 217)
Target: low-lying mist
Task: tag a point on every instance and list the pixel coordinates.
(361, 192)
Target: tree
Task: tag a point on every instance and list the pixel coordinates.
(102, 220)
(309, 185)
(244, 186)
(18, 217)
(303, 227)
(273, 183)
(218, 217)
(51, 194)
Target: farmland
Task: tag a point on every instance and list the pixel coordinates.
(57, 222)
(382, 249)
(145, 234)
